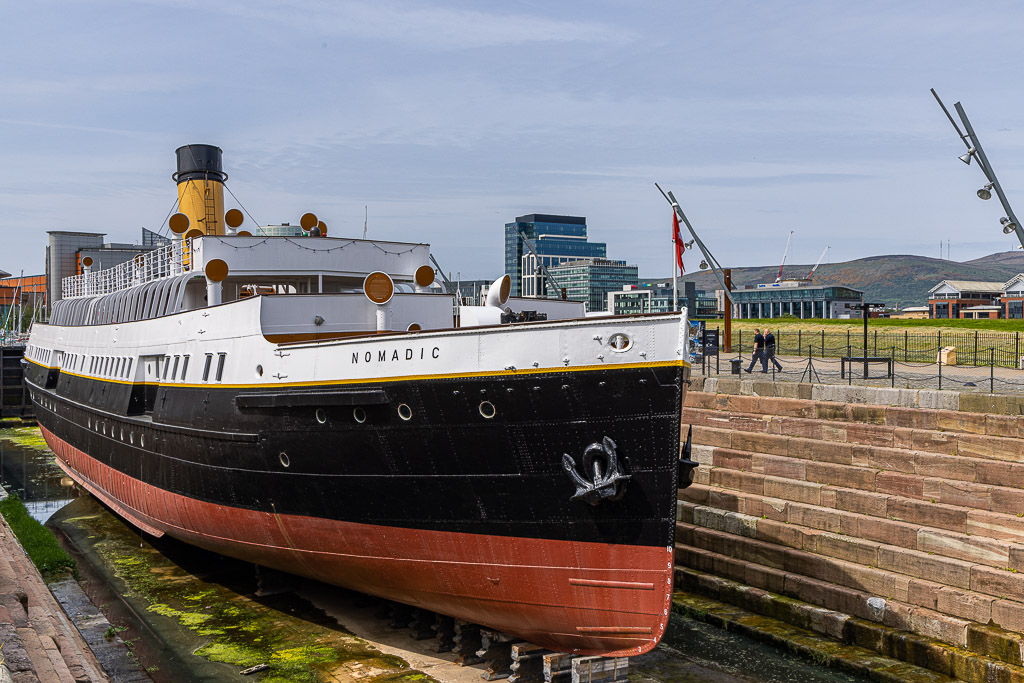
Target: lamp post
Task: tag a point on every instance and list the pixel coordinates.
(974, 150)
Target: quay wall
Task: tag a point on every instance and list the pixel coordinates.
(874, 515)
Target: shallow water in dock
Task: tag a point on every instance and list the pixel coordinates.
(191, 615)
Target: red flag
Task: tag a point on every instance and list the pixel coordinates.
(678, 239)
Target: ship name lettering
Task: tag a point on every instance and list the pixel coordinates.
(396, 355)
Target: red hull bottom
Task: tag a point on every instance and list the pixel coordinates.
(586, 598)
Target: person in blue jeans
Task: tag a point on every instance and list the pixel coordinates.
(758, 352)
(769, 351)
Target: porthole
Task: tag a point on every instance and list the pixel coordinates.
(259, 370)
(487, 409)
(285, 460)
(321, 415)
(620, 342)
(359, 415)
(404, 412)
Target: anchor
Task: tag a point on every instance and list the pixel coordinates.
(601, 464)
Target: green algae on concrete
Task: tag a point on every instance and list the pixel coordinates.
(221, 617)
(26, 437)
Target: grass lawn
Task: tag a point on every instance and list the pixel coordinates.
(888, 324)
(38, 541)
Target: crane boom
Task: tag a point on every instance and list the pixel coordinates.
(778, 278)
(810, 275)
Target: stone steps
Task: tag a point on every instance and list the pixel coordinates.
(920, 658)
(907, 517)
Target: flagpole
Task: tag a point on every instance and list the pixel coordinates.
(675, 289)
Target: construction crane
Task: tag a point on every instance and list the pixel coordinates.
(810, 275)
(778, 278)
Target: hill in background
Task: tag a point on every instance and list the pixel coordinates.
(894, 280)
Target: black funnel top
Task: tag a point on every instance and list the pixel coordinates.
(199, 162)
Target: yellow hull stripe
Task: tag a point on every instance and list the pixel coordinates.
(396, 378)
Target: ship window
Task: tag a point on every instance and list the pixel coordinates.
(220, 365)
(167, 365)
(184, 367)
(129, 370)
(206, 369)
(174, 372)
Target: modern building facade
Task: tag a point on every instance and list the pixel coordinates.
(656, 297)
(556, 239)
(590, 280)
(1012, 298)
(949, 298)
(798, 298)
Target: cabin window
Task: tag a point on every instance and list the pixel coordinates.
(220, 365)
(206, 369)
(167, 365)
(128, 372)
(184, 367)
(174, 372)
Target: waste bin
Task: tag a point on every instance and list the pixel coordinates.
(737, 364)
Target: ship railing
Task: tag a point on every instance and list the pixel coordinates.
(175, 258)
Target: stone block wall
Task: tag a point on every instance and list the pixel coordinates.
(900, 507)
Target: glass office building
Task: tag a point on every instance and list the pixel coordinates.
(590, 280)
(556, 239)
(796, 298)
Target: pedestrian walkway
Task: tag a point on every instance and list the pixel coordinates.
(37, 640)
(984, 379)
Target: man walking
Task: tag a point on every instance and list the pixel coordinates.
(769, 351)
(758, 351)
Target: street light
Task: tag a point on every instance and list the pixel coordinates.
(974, 149)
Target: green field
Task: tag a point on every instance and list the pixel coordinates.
(887, 323)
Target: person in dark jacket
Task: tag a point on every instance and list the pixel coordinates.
(769, 351)
(758, 351)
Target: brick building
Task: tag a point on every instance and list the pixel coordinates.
(950, 298)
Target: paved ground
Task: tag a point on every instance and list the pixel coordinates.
(38, 641)
(905, 375)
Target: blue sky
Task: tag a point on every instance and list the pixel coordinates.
(448, 119)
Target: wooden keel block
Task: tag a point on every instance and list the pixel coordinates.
(527, 663)
(467, 642)
(401, 616)
(557, 667)
(496, 651)
(600, 669)
(444, 634)
(422, 624)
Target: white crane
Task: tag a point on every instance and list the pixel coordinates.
(778, 278)
(810, 275)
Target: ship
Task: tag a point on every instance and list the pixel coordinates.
(319, 405)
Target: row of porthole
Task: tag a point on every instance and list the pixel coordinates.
(102, 429)
(486, 408)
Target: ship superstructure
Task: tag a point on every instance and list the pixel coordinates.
(318, 405)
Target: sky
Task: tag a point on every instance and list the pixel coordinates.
(447, 120)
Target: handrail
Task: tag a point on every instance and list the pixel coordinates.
(175, 258)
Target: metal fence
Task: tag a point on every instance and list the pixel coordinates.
(971, 347)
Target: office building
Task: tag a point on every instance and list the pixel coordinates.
(590, 280)
(798, 298)
(654, 296)
(950, 298)
(555, 239)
